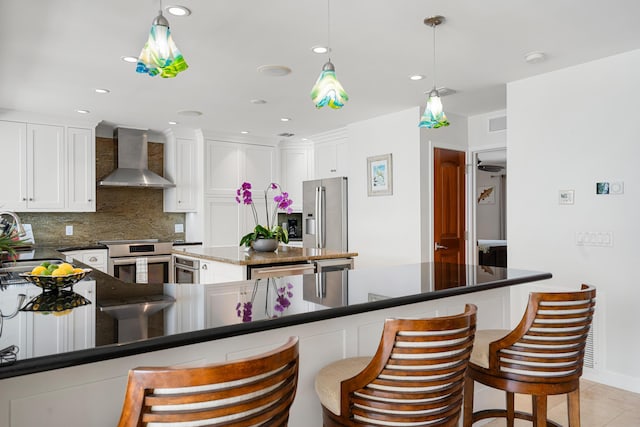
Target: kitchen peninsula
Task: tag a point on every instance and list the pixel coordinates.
(204, 326)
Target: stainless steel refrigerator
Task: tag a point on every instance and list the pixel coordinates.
(324, 214)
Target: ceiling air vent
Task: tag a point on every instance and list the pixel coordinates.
(286, 134)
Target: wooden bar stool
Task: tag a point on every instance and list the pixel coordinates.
(415, 378)
(542, 356)
(254, 391)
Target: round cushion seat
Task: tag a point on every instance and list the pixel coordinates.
(480, 352)
(328, 380)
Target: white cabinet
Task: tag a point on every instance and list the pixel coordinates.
(182, 169)
(81, 156)
(38, 334)
(51, 172)
(46, 162)
(218, 272)
(294, 169)
(331, 159)
(227, 166)
(96, 258)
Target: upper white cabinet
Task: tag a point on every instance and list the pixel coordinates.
(182, 170)
(294, 169)
(331, 159)
(53, 168)
(81, 157)
(222, 166)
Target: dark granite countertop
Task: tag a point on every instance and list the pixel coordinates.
(358, 291)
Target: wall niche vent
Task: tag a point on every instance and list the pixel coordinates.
(497, 124)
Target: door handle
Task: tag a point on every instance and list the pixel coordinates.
(439, 246)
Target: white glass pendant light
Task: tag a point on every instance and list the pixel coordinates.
(160, 55)
(434, 116)
(328, 90)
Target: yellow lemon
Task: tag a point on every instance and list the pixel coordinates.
(78, 270)
(38, 270)
(59, 272)
(66, 268)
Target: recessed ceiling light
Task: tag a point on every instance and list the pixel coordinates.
(258, 101)
(177, 10)
(304, 139)
(244, 132)
(285, 119)
(130, 59)
(320, 49)
(535, 57)
(190, 113)
(83, 111)
(171, 122)
(416, 77)
(98, 90)
(274, 70)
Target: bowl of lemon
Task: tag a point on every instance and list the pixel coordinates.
(55, 276)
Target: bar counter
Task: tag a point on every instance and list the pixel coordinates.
(204, 313)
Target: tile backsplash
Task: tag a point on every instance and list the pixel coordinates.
(121, 213)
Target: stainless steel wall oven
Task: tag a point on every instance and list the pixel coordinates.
(140, 261)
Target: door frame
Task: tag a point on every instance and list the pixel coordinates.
(472, 170)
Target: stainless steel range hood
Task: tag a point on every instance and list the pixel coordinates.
(132, 162)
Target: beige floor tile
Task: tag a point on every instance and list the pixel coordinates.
(627, 419)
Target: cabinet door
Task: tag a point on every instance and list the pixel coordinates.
(342, 160)
(259, 166)
(81, 148)
(186, 175)
(206, 272)
(46, 167)
(222, 170)
(294, 171)
(13, 146)
(325, 160)
(222, 221)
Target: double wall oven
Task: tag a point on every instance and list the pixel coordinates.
(140, 261)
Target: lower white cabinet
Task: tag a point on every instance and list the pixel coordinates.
(38, 334)
(96, 258)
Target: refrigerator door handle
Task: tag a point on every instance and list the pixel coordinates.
(319, 217)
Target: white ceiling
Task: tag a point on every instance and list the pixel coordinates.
(56, 52)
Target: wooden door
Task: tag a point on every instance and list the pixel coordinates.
(449, 216)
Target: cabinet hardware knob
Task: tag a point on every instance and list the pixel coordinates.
(31, 199)
(333, 170)
(93, 259)
(88, 200)
(24, 199)
(204, 266)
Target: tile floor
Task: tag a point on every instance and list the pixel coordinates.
(600, 406)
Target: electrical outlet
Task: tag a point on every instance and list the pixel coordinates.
(69, 230)
(179, 228)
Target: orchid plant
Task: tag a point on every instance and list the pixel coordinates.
(271, 230)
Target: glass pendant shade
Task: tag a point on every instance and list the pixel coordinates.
(160, 55)
(328, 90)
(433, 116)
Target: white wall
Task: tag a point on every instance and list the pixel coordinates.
(568, 130)
(385, 230)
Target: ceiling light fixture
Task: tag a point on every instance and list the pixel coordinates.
(328, 90)
(102, 91)
(177, 10)
(244, 132)
(160, 55)
(535, 57)
(434, 116)
(320, 49)
(83, 111)
(274, 70)
(130, 59)
(415, 77)
(171, 122)
(285, 119)
(258, 101)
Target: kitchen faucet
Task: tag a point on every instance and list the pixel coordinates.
(16, 221)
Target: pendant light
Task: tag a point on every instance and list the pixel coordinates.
(433, 116)
(160, 55)
(328, 90)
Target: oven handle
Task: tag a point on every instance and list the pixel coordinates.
(150, 259)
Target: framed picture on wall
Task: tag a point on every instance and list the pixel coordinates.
(380, 175)
(486, 195)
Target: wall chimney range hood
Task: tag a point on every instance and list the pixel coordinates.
(132, 162)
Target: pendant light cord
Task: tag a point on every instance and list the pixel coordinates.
(329, 29)
(434, 56)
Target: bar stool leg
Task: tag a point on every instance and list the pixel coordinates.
(511, 413)
(467, 416)
(573, 407)
(539, 411)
